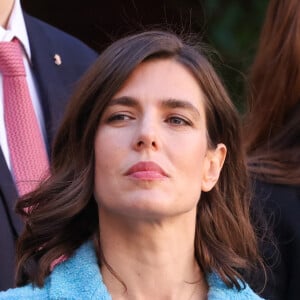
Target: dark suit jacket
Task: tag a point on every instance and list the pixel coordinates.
(54, 85)
(281, 206)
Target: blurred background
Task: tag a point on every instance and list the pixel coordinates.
(231, 27)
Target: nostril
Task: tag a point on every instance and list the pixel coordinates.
(140, 143)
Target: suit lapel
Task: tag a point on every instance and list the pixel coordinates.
(49, 85)
(48, 76)
(54, 83)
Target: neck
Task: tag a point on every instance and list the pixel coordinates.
(153, 260)
(5, 11)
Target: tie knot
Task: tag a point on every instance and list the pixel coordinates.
(11, 60)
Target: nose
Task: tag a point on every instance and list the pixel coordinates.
(147, 136)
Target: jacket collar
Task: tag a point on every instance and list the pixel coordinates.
(78, 277)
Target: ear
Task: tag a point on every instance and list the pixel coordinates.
(213, 164)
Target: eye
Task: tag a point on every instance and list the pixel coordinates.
(178, 121)
(119, 117)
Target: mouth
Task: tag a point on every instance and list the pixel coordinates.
(146, 170)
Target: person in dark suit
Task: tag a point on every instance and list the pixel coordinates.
(57, 61)
(272, 140)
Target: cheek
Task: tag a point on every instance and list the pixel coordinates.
(103, 158)
(192, 156)
(107, 148)
(109, 153)
(100, 154)
(191, 165)
(103, 169)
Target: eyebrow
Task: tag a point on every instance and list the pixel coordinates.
(176, 103)
(165, 103)
(126, 101)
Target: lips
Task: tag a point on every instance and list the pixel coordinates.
(146, 171)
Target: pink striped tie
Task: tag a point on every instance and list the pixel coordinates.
(26, 146)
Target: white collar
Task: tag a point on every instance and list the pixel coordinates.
(16, 28)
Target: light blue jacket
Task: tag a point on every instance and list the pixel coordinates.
(79, 278)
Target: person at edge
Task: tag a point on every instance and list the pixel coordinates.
(272, 143)
(54, 61)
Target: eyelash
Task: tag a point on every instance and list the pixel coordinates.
(119, 117)
(183, 121)
(179, 121)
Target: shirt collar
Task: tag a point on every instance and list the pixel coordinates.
(16, 28)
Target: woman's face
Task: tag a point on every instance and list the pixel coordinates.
(151, 150)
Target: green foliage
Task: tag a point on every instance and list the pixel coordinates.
(233, 29)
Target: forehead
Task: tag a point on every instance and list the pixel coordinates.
(160, 79)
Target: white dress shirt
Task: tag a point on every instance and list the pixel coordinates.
(16, 28)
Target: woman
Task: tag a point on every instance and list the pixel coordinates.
(272, 140)
(148, 193)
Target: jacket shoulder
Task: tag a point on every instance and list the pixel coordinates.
(39, 30)
(26, 292)
(219, 290)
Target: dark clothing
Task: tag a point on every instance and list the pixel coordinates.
(281, 206)
(54, 84)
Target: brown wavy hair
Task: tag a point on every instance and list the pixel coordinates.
(272, 123)
(62, 212)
